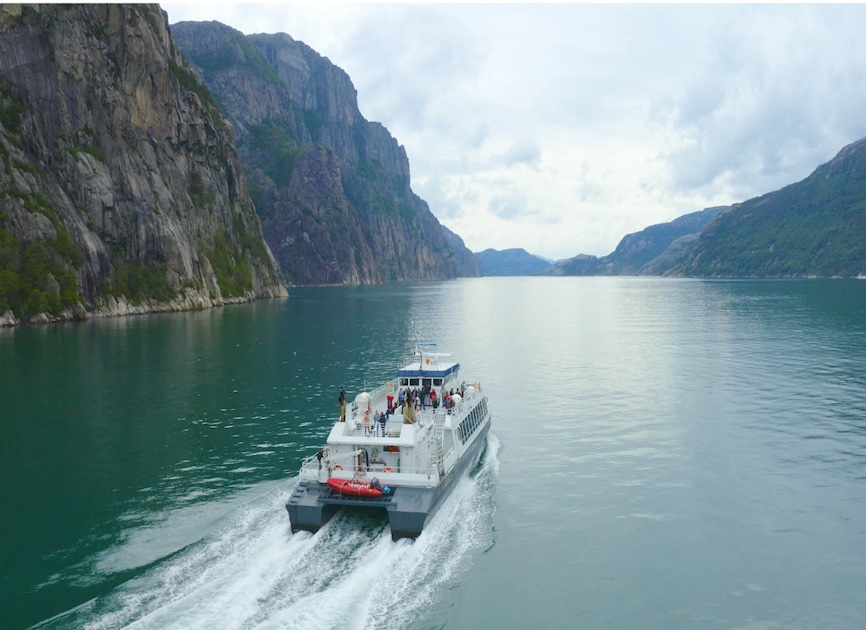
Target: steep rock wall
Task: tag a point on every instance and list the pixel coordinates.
(120, 187)
(332, 189)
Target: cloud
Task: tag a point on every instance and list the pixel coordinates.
(777, 98)
(523, 152)
(508, 207)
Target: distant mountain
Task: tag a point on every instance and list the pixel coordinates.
(641, 253)
(510, 262)
(332, 189)
(816, 227)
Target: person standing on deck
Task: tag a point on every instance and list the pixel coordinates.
(390, 395)
(408, 409)
(342, 404)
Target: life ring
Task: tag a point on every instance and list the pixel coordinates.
(338, 467)
(388, 469)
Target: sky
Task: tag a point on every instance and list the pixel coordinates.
(560, 128)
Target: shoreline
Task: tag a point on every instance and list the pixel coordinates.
(121, 307)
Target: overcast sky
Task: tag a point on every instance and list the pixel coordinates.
(561, 128)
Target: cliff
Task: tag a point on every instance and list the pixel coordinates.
(332, 189)
(813, 228)
(120, 187)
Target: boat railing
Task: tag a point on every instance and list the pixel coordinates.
(386, 472)
(393, 424)
(382, 391)
(346, 466)
(309, 468)
(423, 418)
(311, 465)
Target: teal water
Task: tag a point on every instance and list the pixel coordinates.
(664, 454)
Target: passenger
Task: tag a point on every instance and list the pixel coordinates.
(410, 412)
(342, 400)
(383, 418)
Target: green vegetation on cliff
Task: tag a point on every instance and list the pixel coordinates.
(37, 277)
(137, 282)
(233, 274)
(10, 106)
(276, 149)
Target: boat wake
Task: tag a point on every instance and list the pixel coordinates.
(251, 572)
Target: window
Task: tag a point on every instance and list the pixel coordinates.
(471, 422)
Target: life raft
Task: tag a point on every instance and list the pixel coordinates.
(353, 487)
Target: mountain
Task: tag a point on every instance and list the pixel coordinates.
(648, 252)
(510, 262)
(816, 227)
(332, 189)
(120, 187)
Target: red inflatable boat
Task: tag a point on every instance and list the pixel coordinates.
(354, 487)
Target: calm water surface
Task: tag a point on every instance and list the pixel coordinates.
(664, 454)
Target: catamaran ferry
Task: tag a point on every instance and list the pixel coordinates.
(400, 448)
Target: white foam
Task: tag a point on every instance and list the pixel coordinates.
(251, 572)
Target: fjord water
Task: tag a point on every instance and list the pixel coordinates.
(664, 454)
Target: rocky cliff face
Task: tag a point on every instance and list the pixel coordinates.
(332, 189)
(120, 187)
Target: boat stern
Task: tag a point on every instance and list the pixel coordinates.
(306, 511)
